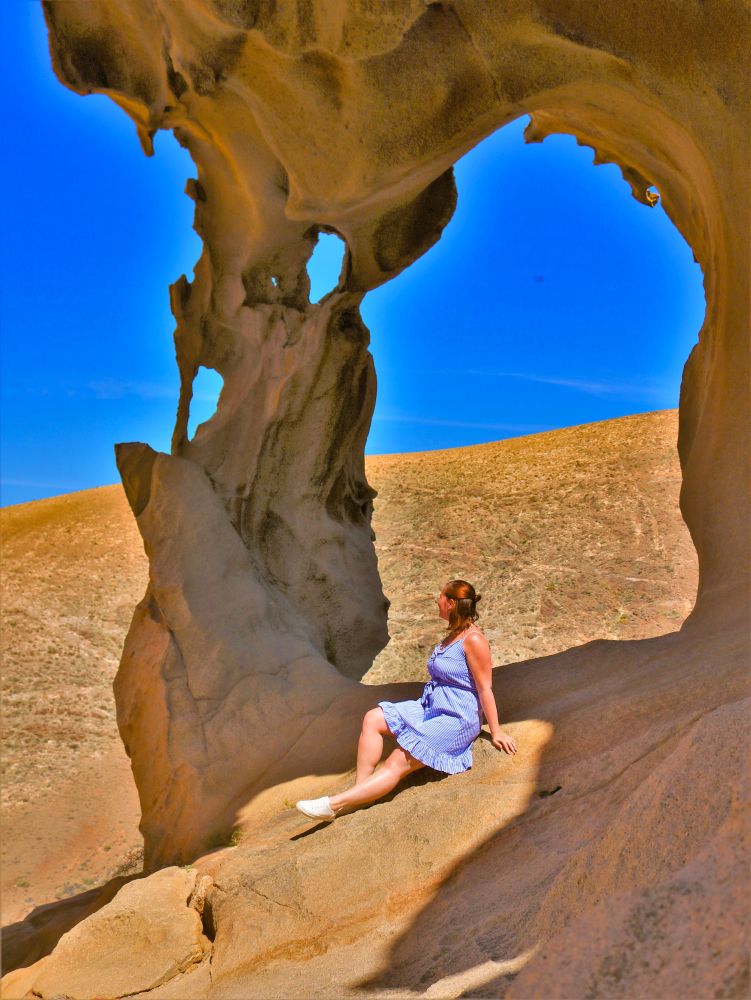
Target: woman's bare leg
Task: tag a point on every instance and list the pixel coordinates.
(370, 745)
(395, 767)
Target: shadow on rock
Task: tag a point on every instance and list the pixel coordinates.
(28, 940)
(622, 805)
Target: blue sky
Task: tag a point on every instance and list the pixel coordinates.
(553, 297)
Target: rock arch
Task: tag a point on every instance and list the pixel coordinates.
(264, 606)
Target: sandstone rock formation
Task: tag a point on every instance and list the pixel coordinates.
(607, 858)
(573, 535)
(265, 601)
(264, 606)
(147, 935)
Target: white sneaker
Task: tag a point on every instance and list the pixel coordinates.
(316, 808)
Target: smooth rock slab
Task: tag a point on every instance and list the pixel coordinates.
(147, 935)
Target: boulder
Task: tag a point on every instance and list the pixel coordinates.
(148, 934)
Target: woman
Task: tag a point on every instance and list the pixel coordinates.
(438, 729)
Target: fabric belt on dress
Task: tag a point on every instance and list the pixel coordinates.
(427, 695)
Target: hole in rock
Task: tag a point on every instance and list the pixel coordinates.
(207, 920)
(553, 303)
(325, 265)
(207, 386)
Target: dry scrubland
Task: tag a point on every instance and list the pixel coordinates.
(570, 536)
(73, 569)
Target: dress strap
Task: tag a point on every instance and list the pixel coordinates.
(460, 638)
(470, 630)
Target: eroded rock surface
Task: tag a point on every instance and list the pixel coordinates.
(347, 118)
(608, 858)
(264, 606)
(150, 933)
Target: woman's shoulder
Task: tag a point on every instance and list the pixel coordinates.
(475, 637)
(462, 638)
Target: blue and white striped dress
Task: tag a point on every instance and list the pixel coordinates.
(440, 728)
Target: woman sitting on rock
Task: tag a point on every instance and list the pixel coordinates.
(436, 730)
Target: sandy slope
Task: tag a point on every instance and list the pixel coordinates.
(73, 570)
(570, 536)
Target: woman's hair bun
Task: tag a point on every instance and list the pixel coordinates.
(477, 597)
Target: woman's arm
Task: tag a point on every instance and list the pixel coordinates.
(477, 651)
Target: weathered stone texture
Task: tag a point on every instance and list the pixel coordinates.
(146, 936)
(265, 606)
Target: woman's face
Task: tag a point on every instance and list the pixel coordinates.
(445, 604)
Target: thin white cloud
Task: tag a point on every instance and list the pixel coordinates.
(118, 389)
(613, 387)
(436, 422)
(111, 388)
(33, 484)
(205, 397)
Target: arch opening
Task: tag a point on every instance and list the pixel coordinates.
(530, 351)
(325, 264)
(207, 388)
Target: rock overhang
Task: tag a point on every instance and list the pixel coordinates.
(349, 119)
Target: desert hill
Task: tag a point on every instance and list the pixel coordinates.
(570, 536)
(613, 560)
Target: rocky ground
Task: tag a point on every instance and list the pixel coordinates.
(606, 859)
(570, 536)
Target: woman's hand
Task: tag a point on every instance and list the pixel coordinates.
(502, 741)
